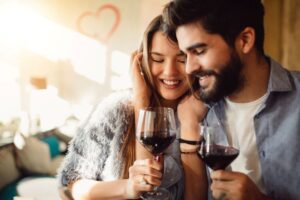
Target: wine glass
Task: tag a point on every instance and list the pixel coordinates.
(156, 130)
(215, 151)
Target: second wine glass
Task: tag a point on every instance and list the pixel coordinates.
(215, 152)
(156, 130)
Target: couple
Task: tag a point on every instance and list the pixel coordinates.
(219, 44)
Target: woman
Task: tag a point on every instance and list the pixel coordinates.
(104, 160)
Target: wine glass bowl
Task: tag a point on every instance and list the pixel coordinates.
(215, 152)
(156, 130)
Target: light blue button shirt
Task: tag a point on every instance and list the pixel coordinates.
(277, 129)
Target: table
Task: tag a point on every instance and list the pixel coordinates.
(38, 188)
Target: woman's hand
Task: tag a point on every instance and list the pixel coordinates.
(143, 176)
(141, 92)
(191, 112)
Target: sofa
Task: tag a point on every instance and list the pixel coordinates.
(27, 157)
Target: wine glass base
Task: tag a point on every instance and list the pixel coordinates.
(159, 193)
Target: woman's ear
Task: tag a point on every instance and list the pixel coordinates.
(246, 40)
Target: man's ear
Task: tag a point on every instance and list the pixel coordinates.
(246, 40)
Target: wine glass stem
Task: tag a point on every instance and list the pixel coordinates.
(157, 158)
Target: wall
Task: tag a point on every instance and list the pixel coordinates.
(291, 34)
(282, 23)
(81, 48)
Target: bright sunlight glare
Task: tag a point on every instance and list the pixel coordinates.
(23, 28)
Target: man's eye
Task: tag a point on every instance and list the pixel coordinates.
(198, 51)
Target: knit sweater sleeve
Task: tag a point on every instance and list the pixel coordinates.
(95, 138)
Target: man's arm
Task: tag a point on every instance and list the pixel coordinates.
(191, 112)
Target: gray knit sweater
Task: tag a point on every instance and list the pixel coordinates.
(93, 152)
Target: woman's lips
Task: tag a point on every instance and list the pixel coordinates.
(171, 83)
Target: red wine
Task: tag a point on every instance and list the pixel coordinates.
(156, 143)
(218, 157)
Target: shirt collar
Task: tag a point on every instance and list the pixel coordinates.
(279, 80)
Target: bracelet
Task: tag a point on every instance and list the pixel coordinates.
(190, 151)
(191, 142)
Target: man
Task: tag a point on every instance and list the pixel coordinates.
(254, 98)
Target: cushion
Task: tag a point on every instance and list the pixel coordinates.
(53, 144)
(55, 163)
(34, 157)
(8, 167)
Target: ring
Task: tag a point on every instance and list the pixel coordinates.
(143, 180)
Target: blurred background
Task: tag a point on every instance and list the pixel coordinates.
(58, 58)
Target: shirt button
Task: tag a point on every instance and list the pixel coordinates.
(262, 154)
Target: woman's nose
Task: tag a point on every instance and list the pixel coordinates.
(170, 68)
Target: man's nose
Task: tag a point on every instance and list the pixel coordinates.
(192, 65)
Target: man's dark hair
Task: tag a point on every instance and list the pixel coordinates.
(224, 17)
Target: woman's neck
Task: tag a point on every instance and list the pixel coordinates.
(170, 103)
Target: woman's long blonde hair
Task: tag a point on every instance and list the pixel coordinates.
(128, 147)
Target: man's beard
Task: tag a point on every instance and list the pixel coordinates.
(226, 82)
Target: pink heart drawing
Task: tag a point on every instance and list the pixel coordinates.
(102, 35)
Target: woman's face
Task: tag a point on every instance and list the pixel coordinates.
(167, 65)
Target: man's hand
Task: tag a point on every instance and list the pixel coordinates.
(234, 186)
(191, 112)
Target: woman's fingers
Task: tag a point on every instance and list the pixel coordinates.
(144, 179)
(148, 167)
(145, 172)
(152, 180)
(141, 91)
(151, 163)
(136, 59)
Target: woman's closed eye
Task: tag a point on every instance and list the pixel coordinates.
(156, 58)
(181, 59)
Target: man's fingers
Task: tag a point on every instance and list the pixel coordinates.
(224, 175)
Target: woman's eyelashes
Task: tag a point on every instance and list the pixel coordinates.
(181, 59)
(162, 60)
(157, 60)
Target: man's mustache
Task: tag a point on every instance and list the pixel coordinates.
(199, 74)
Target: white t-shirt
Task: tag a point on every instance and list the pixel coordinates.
(240, 127)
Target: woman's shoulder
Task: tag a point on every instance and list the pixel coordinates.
(107, 120)
(110, 115)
